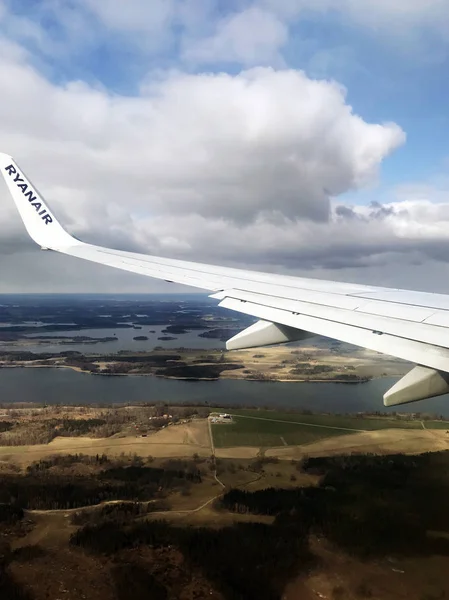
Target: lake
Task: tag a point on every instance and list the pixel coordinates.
(124, 341)
(65, 386)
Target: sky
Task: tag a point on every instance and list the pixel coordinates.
(305, 137)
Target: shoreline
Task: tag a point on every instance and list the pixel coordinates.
(260, 380)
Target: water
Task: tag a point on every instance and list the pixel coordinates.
(124, 341)
(65, 386)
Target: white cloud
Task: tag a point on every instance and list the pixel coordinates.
(133, 15)
(195, 162)
(234, 146)
(203, 32)
(403, 12)
(251, 37)
(258, 30)
(369, 12)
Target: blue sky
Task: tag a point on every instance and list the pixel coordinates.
(175, 89)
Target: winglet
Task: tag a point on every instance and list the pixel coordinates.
(37, 217)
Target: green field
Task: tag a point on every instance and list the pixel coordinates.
(269, 428)
(254, 432)
(343, 421)
(436, 425)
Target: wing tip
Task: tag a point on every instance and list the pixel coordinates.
(39, 220)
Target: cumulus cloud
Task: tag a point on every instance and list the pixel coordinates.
(262, 142)
(354, 236)
(245, 169)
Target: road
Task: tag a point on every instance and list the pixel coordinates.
(212, 448)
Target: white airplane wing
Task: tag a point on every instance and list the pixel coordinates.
(413, 326)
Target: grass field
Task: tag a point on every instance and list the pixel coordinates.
(263, 432)
(343, 421)
(436, 425)
(269, 428)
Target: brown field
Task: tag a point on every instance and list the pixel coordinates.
(175, 441)
(187, 439)
(268, 361)
(385, 441)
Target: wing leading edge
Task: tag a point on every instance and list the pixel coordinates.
(413, 326)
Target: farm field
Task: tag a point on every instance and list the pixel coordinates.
(265, 433)
(331, 420)
(268, 428)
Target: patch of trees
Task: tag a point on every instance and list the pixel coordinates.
(45, 431)
(348, 378)
(367, 505)
(308, 502)
(220, 333)
(40, 434)
(178, 329)
(259, 375)
(43, 489)
(246, 561)
(136, 582)
(64, 461)
(6, 426)
(10, 514)
(305, 368)
(75, 427)
(166, 477)
(203, 371)
(9, 588)
(152, 359)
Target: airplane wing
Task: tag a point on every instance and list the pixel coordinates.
(413, 326)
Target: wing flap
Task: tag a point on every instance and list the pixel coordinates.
(406, 349)
(377, 325)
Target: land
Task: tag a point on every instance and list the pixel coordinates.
(288, 363)
(37, 319)
(176, 513)
(29, 433)
(176, 502)
(30, 322)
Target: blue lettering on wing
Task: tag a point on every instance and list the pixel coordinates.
(31, 196)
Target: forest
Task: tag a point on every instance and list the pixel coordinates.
(44, 488)
(368, 505)
(246, 561)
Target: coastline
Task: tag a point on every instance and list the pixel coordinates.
(161, 376)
